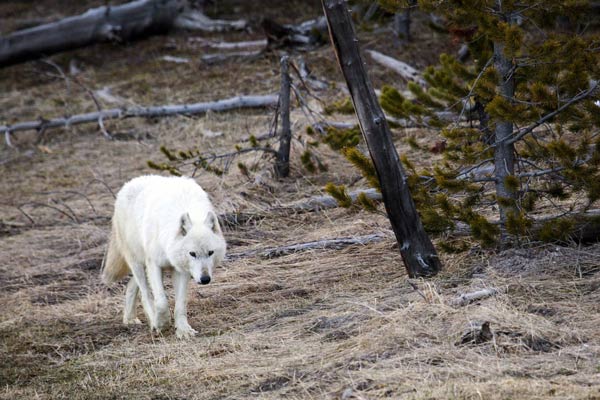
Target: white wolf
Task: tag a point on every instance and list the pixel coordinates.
(161, 223)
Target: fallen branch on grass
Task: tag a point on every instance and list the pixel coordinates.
(468, 298)
(144, 112)
(401, 68)
(215, 58)
(307, 34)
(279, 251)
(195, 20)
(250, 44)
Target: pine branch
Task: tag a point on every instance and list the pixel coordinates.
(524, 131)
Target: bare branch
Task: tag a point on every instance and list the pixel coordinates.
(144, 112)
(468, 298)
(401, 68)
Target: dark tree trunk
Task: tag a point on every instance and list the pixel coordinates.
(122, 22)
(402, 22)
(282, 165)
(418, 253)
(504, 153)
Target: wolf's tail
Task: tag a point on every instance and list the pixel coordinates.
(114, 266)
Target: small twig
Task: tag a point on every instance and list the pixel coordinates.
(65, 205)
(73, 192)
(416, 288)
(103, 184)
(37, 204)
(20, 208)
(7, 139)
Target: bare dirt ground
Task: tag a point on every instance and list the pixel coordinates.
(312, 325)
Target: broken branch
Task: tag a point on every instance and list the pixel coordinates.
(401, 68)
(144, 112)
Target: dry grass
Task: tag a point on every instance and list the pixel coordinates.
(323, 324)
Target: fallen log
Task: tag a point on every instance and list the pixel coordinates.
(279, 251)
(308, 33)
(144, 112)
(401, 68)
(195, 20)
(307, 77)
(215, 58)
(123, 22)
(251, 44)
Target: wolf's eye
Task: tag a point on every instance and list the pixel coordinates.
(193, 254)
(210, 253)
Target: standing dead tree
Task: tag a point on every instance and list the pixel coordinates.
(124, 22)
(282, 163)
(418, 253)
(220, 163)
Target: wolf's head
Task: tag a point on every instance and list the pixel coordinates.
(200, 247)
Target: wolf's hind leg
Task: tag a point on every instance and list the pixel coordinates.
(131, 293)
(139, 274)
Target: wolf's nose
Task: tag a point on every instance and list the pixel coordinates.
(205, 280)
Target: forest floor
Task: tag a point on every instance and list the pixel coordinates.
(310, 325)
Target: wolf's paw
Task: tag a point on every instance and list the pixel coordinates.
(132, 321)
(185, 331)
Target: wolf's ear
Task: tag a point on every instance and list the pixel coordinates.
(213, 222)
(185, 224)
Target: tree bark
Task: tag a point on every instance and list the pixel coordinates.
(504, 153)
(402, 22)
(282, 163)
(417, 250)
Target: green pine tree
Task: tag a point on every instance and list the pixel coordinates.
(526, 128)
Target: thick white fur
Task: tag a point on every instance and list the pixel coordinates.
(162, 223)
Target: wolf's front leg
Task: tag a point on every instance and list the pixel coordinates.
(180, 283)
(162, 316)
